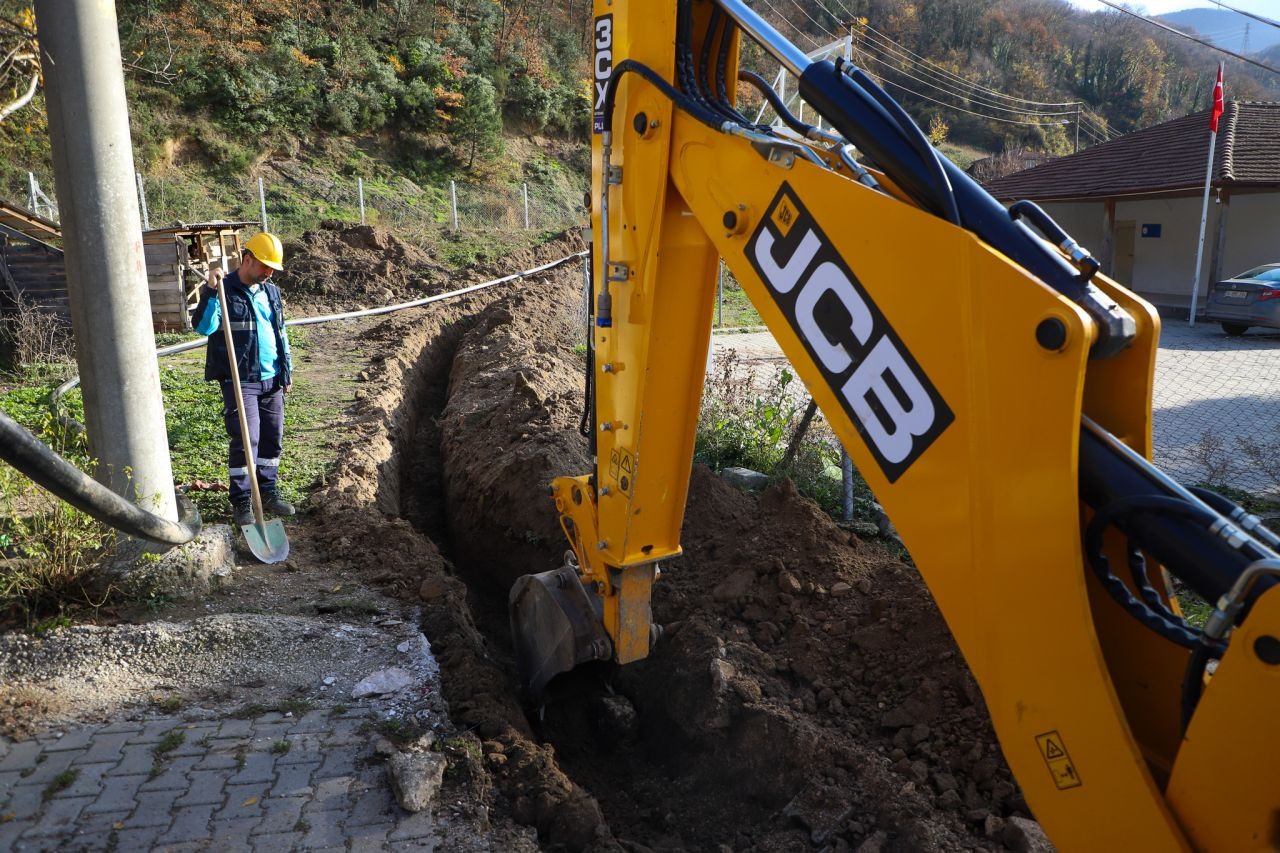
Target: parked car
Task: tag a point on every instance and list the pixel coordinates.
(1249, 299)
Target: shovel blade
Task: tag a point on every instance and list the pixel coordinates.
(267, 541)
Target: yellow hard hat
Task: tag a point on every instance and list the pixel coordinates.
(266, 248)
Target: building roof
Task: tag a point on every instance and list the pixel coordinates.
(1167, 159)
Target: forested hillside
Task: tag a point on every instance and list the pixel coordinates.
(432, 89)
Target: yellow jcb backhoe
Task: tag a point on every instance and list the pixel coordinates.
(999, 407)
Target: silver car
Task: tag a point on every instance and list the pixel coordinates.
(1249, 299)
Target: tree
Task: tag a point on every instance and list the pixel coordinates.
(477, 124)
(19, 61)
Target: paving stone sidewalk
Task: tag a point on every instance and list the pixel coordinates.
(271, 783)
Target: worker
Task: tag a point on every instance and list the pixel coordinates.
(264, 363)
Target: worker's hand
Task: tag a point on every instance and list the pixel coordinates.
(286, 388)
(215, 276)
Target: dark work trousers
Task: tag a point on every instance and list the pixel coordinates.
(264, 409)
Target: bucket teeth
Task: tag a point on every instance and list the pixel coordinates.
(554, 628)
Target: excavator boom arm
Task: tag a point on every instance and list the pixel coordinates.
(992, 390)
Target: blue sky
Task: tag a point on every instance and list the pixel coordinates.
(1267, 8)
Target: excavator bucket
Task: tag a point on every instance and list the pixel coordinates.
(554, 628)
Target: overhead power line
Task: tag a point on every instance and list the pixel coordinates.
(1256, 17)
(876, 34)
(1178, 32)
(974, 100)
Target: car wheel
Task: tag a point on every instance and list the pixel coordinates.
(1235, 330)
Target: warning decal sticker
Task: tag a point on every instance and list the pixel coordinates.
(1058, 761)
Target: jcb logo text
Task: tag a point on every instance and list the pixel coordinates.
(881, 388)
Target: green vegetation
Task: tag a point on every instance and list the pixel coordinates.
(198, 439)
(746, 422)
(168, 704)
(734, 310)
(170, 742)
(281, 747)
(61, 782)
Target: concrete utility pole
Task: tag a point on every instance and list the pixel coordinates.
(102, 238)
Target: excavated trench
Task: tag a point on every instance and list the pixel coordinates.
(808, 696)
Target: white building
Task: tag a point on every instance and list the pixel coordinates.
(1135, 201)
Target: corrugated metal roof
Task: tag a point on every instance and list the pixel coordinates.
(1167, 158)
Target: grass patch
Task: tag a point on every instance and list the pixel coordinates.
(61, 782)
(170, 742)
(399, 732)
(734, 308)
(281, 747)
(168, 704)
(198, 439)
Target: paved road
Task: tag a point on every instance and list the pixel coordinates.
(1205, 382)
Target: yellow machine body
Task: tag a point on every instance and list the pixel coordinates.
(963, 425)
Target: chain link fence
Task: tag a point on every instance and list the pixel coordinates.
(1217, 407)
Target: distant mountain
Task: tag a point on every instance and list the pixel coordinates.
(1226, 29)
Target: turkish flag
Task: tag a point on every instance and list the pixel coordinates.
(1217, 101)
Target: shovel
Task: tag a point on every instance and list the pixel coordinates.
(266, 539)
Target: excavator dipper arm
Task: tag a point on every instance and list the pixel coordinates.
(992, 389)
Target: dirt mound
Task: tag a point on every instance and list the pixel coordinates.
(344, 267)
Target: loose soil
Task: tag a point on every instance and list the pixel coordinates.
(807, 696)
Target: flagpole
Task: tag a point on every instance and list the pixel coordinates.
(1204, 217)
(1204, 210)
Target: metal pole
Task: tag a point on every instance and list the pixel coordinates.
(846, 481)
(142, 200)
(360, 190)
(526, 207)
(106, 267)
(453, 200)
(1204, 217)
(720, 296)
(32, 198)
(1077, 148)
(262, 203)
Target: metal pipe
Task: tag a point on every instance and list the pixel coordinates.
(793, 59)
(142, 200)
(262, 203)
(106, 267)
(360, 190)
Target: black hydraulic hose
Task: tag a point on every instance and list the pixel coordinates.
(32, 457)
(1056, 234)
(1193, 681)
(862, 120)
(913, 134)
(1138, 571)
(722, 64)
(652, 77)
(1203, 559)
(1167, 626)
(788, 117)
(686, 67)
(714, 75)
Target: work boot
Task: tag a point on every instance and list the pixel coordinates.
(273, 504)
(242, 513)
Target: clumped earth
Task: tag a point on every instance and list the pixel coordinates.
(808, 695)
